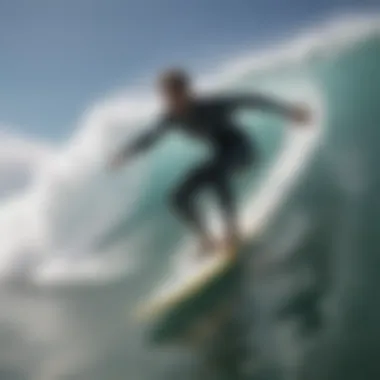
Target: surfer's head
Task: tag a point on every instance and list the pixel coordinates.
(175, 87)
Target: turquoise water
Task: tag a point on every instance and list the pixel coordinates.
(336, 199)
(328, 227)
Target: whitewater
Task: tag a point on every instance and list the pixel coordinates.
(81, 246)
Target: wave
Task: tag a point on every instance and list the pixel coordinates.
(71, 201)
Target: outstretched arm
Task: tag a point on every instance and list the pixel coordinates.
(140, 144)
(294, 112)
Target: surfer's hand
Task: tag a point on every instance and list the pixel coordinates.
(300, 114)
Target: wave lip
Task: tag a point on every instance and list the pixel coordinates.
(325, 39)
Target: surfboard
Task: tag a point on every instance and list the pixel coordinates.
(191, 296)
(176, 291)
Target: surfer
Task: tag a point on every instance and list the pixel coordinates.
(208, 119)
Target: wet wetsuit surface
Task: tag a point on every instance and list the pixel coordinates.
(210, 120)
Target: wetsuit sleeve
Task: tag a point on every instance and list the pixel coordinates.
(259, 102)
(146, 140)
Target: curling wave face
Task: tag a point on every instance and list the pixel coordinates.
(88, 243)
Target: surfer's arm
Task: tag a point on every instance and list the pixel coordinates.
(293, 112)
(144, 142)
(141, 144)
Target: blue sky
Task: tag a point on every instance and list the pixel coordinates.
(58, 57)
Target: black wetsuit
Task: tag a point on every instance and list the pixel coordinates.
(210, 120)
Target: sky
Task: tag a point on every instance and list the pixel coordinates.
(59, 57)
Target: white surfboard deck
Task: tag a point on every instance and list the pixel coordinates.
(180, 288)
(258, 212)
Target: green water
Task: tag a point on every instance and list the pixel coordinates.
(328, 225)
(337, 198)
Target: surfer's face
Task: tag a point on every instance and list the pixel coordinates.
(176, 98)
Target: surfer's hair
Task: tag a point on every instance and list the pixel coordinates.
(174, 78)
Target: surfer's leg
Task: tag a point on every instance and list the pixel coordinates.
(229, 162)
(224, 191)
(184, 202)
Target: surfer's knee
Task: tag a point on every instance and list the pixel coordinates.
(183, 199)
(179, 202)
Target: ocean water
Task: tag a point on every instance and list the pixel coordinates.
(81, 246)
